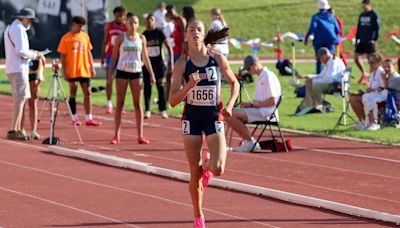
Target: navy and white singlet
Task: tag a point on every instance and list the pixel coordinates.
(202, 110)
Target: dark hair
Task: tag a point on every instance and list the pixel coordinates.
(169, 7)
(390, 61)
(119, 9)
(214, 36)
(188, 13)
(149, 15)
(78, 20)
(130, 14)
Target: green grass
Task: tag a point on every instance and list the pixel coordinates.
(260, 18)
(319, 123)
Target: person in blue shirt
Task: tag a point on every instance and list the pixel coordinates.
(325, 29)
(366, 37)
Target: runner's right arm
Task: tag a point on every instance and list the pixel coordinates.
(178, 92)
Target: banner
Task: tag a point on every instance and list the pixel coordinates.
(55, 20)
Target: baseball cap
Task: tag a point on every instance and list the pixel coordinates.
(248, 61)
(27, 13)
(322, 51)
(323, 5)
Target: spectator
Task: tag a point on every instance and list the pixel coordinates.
(266, 95)
(342, 55)
(391, 79)
(322, 83)
(325, 29)
(36, 76)
(188, 13)
(111, 31)
(218, 22)
(179, 31)
(367, 35)
(77, 66)
(155, 40)
(18, 55)
(159, 15)
(168, 31)
(365, 101)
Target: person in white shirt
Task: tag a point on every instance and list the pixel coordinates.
(325, 81)
(266, 96)
(366, 101)
(18, 56)
(159, 14)
(218, 23)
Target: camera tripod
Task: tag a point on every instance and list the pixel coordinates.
(242, 80)
(55, 87)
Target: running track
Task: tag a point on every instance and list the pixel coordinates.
(42, 189)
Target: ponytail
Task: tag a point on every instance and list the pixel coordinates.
(216, 36)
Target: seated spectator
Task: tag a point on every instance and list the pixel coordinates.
(322, 83)
(391, 77)
(266, 95)
(366, 101)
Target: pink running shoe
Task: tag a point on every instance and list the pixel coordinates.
(109, 110)
(207, 174)
(92, 123)
(199, 222)
(142, 140)
(77, 122)
(115, 140)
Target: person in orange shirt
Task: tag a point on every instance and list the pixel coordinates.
(77, 66)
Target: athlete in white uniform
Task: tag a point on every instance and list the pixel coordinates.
(130, 49)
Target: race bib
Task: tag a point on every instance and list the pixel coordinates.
(211, 73)
(132, 66)
(202, 96)
(219, 126)
(185, 127)
(113, 39)
(153, 51)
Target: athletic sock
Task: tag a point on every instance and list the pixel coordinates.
(109, 104)
(72, 105)
(88, 117)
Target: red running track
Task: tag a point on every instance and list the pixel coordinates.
(61, 191)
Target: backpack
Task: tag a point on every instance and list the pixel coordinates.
(391, 111)
(285, 67)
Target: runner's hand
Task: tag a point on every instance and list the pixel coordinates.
(194, 78)
(152, 80)
(227, 111)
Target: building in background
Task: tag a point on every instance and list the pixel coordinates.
(55, 17)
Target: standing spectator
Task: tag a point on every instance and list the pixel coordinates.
(179, 31)
(131, 52)
(188, 13)
(341, 34)
(77, 66)
(218, 22)
(36, 76)
(168, 31)
(18, 55)
(325, 29)
(111, 31)
(159, 15)
(367, 35)
(155, 40)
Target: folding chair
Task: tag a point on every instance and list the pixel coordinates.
(271, 121)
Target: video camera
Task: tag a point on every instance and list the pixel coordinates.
(244, 76)
(55, 67)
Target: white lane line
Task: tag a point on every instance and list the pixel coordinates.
(132, 192)
(346, 154)
(66, 206)
(287, 180)
(273, 159)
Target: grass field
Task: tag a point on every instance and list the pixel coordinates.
(260, 18)
(319, 123)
